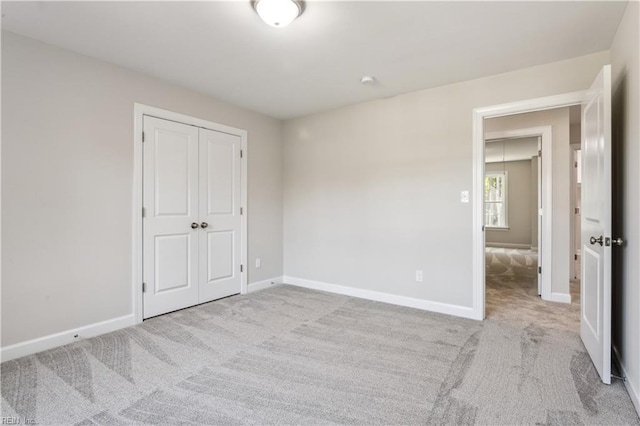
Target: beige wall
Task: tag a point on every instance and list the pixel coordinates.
(67, 165)
(558, 119)
(372, 191)
(518, 204)
(625, 62)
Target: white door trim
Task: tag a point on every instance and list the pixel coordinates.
(545, 133)
(574, 204)
(140, 110)
(478, 116)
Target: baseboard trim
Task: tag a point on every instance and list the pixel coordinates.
(632, 388)
(261, 285)
(509, 245)
(560, 297)
(63, 338)
(426, 305)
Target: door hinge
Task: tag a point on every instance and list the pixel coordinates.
(240, 210)
(143, 212)
(540, 154)
(142, 136)
(144, 287)
(539, 269)
(482, 228)
(575, 257)
(240, 153)
(241, 268)
(577, 210)
(575, 164)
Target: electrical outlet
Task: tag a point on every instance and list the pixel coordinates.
(464, 196)
(258, 262)
(419, 276)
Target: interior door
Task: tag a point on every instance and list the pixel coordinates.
(170, 200)
(539, 185)
(219, 214)
(595, 311)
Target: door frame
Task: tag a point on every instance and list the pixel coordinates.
(545, 133)
(139, 111)
(478, 117)
(574, 190)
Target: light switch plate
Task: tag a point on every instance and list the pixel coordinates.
(464, 196)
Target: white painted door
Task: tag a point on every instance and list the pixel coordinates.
(538, 210)
(219, 215)
(595, 311)
(170, 200)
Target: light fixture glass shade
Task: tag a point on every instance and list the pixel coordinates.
(278, 13)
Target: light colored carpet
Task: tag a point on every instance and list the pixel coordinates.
(512, 292)
(288, 355)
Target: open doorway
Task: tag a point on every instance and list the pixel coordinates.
(512, 200)
(576, 202)
(527, 202)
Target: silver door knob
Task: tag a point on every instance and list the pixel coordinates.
(617, 241)
(594, 240)
(204, 225)
(194, 225)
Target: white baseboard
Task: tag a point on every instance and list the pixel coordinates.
(509, 245)
(59, 339)
(426, 305)
(260, 285)
(560, 297)
(632, 388)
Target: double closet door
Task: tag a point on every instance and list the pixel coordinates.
(191, 224)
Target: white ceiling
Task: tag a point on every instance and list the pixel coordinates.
(224, 49)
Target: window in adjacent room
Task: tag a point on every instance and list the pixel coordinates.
(495, 200)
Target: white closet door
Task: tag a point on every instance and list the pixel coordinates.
(219, 215)
(170, 200)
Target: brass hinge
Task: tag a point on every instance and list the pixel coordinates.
(144, 287)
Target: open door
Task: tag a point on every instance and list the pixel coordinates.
(595, 310)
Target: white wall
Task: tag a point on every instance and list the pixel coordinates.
(372, 191)
(625, 61)
(67, 185)
(518, 204)
(558, 119)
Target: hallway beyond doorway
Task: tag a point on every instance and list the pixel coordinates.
(511, 282)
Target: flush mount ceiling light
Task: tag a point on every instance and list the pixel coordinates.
(278, 13)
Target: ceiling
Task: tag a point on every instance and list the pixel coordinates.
(223, 49)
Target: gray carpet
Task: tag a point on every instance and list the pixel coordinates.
(287, 355)
(512, 292)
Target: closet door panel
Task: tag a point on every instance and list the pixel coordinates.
(220, 244)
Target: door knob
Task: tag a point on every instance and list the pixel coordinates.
(204, 225)
(594, 240)
(194, 225)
